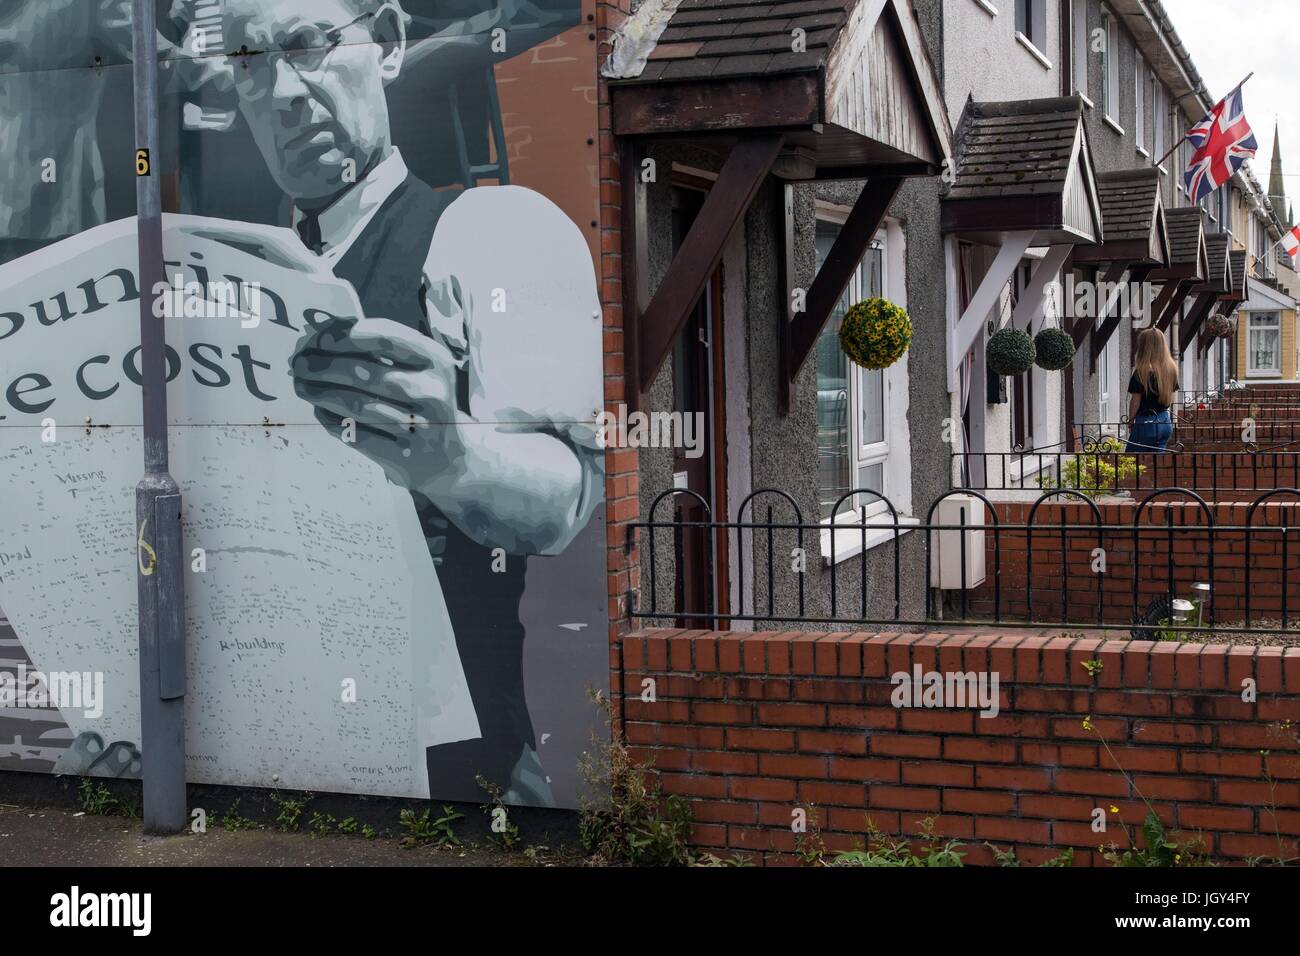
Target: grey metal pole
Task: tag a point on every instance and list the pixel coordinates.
(159, 558)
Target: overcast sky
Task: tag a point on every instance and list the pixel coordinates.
(1228, 39)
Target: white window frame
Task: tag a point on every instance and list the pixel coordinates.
(894, 459)
(1110, 72)
(1033, 34)
(1183, 159)
(1274, 325)
(1140, 89)
(1159, 122)
(1079, 48)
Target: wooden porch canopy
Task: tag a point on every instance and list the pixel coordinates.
(1217, 284)
(1136, 242)
(1024, 177)
(1229, 302)
(1189, 264)
(802, 91)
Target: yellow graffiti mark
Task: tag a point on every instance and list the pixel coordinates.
(142, 545)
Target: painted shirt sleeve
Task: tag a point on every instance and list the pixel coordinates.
(511, 290)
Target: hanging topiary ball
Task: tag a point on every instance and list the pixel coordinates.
(875, 333)
(1220, 326)
(1009, 352)
(1053, 349)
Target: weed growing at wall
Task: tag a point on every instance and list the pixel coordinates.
(1008, 858)
(630, 820)
(422, 831)
(882, 851)
(98, 801)
(503, 828)
(1286, 733)
(232, 819)
(289, 811)
(1161, 848)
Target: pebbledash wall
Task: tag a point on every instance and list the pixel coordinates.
(753, 727)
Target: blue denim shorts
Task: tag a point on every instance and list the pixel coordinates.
(1150, 433)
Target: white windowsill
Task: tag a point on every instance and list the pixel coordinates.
(849, 540)
(1036, 53)
(988, 7)
(1086, 100)
(1142, 151)
(1113, 125)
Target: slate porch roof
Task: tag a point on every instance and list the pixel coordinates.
(1024, 164)
(727, 38)
(861, 99)
(1188, 255)
(1240, 281)
(1219, 278)
(1134, 217)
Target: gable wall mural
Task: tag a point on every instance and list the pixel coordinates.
(384, 366)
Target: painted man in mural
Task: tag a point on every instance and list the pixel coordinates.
(433, 376)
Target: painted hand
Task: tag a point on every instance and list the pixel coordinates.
(397, 388)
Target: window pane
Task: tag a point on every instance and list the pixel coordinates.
(872, 384)
(1265, 348)
(871, 478)
(833, 420)
(1105, 67)
(1081, 46)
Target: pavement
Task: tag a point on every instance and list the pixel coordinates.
(33, 836)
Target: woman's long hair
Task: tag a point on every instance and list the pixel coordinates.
(1154, 365)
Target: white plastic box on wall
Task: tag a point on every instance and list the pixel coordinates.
(946, 553)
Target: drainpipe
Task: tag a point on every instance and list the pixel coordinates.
(159, 561)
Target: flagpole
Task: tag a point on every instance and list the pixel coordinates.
(1161, 160)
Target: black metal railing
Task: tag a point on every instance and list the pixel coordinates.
(1101, 469)
(1068, 567)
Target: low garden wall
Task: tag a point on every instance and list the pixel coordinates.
(1056, 567)
(757, 730)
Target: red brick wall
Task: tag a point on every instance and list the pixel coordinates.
(622, 504)
(750, 727)
(1215, 475)
(1274, 572)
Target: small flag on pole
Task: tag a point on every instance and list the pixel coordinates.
(1222, 141)
(1291, 243)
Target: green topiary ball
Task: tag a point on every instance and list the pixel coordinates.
(875, 333)
(1009, 352)
(1053, 349)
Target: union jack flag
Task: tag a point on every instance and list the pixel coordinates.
(1222, 141)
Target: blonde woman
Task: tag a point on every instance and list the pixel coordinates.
(1154, 382)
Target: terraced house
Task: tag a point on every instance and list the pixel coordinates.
(986, 167)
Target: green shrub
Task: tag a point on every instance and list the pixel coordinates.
(1097, 472)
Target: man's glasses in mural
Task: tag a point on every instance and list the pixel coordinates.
(307, 51)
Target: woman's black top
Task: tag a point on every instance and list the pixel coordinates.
(1150, 404)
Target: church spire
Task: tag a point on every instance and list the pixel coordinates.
(1276, 182)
